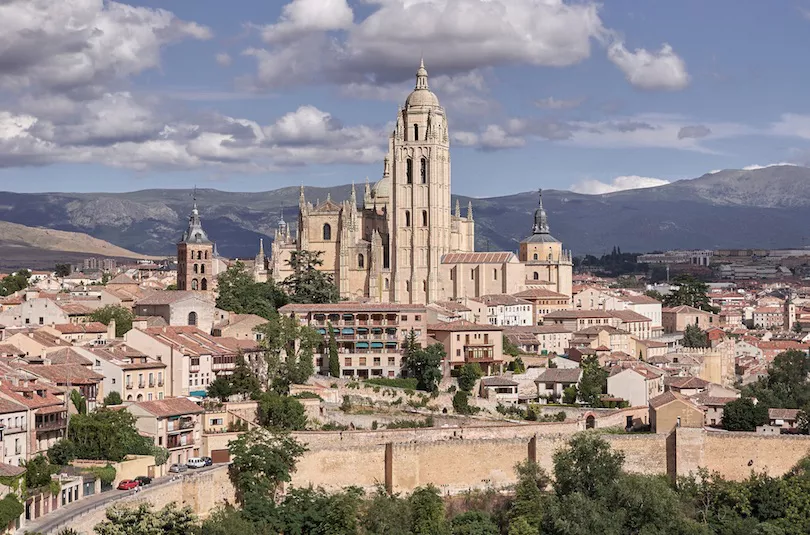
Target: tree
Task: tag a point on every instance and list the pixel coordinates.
(743, 414)
(281, 412)
(113, 398)
(387, 514)
(79, 402)
(289, 348)
(427, 512)
(520, 526)
(38, 472)
(62, 270)
(243, 381)
(655, 294)
(308, 284)
(220, 388)
(15, 282)
(691, 292)
(62, 452)
(468, 375)
(461, 403)
(108, 435)
(587, 466)
(786, 384)
(473, 523)
(510, 348)
(531, 483)
(570, 395)
(261, 461)
(693, 336)
(517, 366)
(425, 365)
(123, 318)
(239, 293)
(142, 520)
(334, 359)
(593, 382)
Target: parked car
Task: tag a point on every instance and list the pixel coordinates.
(176, 468)
(127, 484)
(195, 462)
(143, 480)
(208, 461)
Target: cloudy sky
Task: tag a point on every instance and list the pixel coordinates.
(251, 95)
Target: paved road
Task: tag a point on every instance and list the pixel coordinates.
(61, 518)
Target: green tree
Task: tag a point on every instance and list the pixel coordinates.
(387, 514)
(79, 402)
(308, 284)
(510, 348)
(38, 472)
(655, 294)
(786, 384)
(108, 435)
(281, 412)
(473, 523)
(531, 483)
(143, 520)
(468, 375)
(239, 293)
(261, 461)
(587, 466)
(123, 318)
(520, 526)
(593, 382)
(425, 366)
(803, 419)
(694, 336)
(427, 512)
(62, 452)
(743, 414)
(220, 388)
(113, 398)
(461, 403)
(227, 521)
(289, 349)
(243, 381)
(570, 395)
(334, 359)
(62, 270)
(517, 366)
(691, 292)
(15, 282)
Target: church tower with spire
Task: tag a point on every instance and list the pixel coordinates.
(548, 265)
(195, 256)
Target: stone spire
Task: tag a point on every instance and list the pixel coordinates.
(458, 209)
(386, 167)
(353, 197)
(540, 217)
(469, 211)
(302, 201)
(422, 76)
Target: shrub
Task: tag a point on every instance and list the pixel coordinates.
(334, 427)
(347, 404)
(10, 509)
(461, 403)
(397, 382)
(307, 395)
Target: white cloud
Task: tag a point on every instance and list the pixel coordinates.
(551, 103)
(754, 167)
(620, 183)
(223, 59)
(76, 44)
(792, 125)
(661, 70)
(305, 16)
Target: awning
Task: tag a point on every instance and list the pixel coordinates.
(362, 330)
(198, 393)
(322, 330)
(348, 331)
(376, 345)
(391, 344)
(376, 330)
(362, 345)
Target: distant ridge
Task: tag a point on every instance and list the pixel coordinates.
(733, 208)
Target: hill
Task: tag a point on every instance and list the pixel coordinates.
(765, 208)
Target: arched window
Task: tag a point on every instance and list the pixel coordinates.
(409, 171)
(196, 268)
(202, 268)
(415, 132)
(204, 284)
(140, 397)
(387, 284)
(192, 318)
(194, 284)
(199, 255)
(536, 276)
(129, 397)
(361, 262)
(424, 218)
(327, 232)
(407, 218)
(424, 171)
(535, 256)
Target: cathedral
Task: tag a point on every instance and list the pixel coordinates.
(405, 244)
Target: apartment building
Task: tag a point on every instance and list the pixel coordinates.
(44, 409)
(544, 302)
(466, 342)
(370, 336)
(172, 423)
(131, 373)
(13, 432)
(575, 320)
(505, 310)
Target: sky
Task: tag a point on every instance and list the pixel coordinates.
(253, 95)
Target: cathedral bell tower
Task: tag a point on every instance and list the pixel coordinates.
(419, 155)
(195, 256)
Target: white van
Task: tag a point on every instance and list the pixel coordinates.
(195, 462)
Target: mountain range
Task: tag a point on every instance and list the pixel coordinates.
(759, 208)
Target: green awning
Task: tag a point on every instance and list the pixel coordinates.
(348, 331)
(362, 345)
(391, 344)
(362, 330)
(376, 330)
(376, 345)
(322, 330)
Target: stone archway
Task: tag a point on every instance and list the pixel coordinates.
(590, 420)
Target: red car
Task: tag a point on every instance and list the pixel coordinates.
(127, 484)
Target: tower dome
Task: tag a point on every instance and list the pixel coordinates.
(421, 94)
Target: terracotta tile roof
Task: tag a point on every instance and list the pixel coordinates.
(168, 297)
(711, 401)
(123, 278)
(577, 314)
(596, 329)
(668, 397)
(540, 293)
(7, 406)
(67, 355)
(651, 343)
(166, 407)
(75, 309)
(9, 470)
(537, 329)
(686, 383)
(452, 306)
(65, 373)
(559, 375)
(683, 309)
(350, 307)
(189, 340)
(10, 350)
(16, 394)
(462, 325)
(783, 414)
(478, 258)
(498, 381)
(641, 368)
(93, 327)
(629, 316)
(641, 300)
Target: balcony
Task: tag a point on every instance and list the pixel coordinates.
(141, 385)
(179, 441)
(55, 425)
(178, 426)
(194, 368)
(160, 382)
(151, 384)
(128, 386)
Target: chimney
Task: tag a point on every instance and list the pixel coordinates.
(111, 330)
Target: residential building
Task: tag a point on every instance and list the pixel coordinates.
(676, 319)
(544, 302)
(646, 306)
(540, 339)
(370, 336)
(551, 384)
(638, 325)
(575, 320)
(466, 342)
(500, 389)
(13, 432)
(444, 311)
(636, 382)
(179, 308)
(91, 333)
(172, 423)
(671, 410)
(131, 373)
(784, 419)
(604, 336)
(767, 318)
(45, 410)
(506, 310)
(33, 312)
(713, 407)
(239, 326)
(687, 386)
(70, 377)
